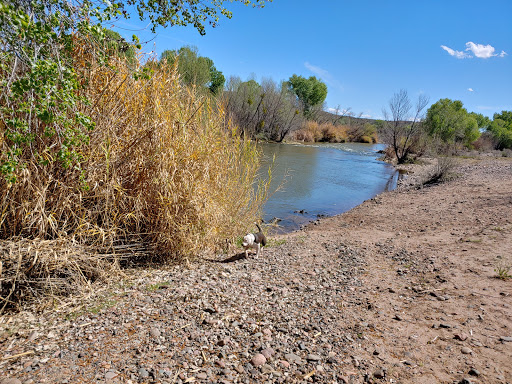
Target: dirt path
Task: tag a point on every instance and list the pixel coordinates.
(401, 289)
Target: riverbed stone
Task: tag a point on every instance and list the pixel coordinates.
(466, 350)
(258, 360)
(10, 381)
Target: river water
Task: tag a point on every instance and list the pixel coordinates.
(322, 179)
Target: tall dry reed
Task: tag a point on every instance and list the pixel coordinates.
(164, 167)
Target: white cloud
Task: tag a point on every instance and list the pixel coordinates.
(457, 54)
(480, 50)
(317, 70)
(470, 90)
(474, 50)
(324, 75)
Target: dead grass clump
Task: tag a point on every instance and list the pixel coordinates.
(309, 133)
(32, 269)
(441, 171)
(334, 133)
(161, 164)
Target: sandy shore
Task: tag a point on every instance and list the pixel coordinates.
(401, 289)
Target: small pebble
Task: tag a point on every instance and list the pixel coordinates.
(460, 336)
(143, 373)
(155, 333)
(33, 335)
(466, 350)
(266, 369)
(239, 369)
(267, 352)
(292, 358)
(110, 375)
(258, 360)
(10, 381)
(379, 374)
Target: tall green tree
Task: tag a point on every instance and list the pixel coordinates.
(310, 92)
(115, 44)
(217, 79)
(482, 121)
(194, 69)
(450, 122)
(501, 129)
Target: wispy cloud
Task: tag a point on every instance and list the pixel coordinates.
(495, 108)
(457, 54)
(324, 75)
(317, 70)
(471, 90)
(474, 50)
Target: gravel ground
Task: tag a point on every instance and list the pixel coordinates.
(401, 289)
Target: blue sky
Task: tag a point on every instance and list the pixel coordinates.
(364, 50)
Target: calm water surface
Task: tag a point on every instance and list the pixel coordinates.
(323, 179)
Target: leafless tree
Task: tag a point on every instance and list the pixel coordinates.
(402, 130)
(262, 111)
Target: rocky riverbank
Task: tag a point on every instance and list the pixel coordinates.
(401, 289)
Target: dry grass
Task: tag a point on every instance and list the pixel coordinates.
(441, 171)
(32, 269)
(163, 168)
(309, 133)
(313, 132)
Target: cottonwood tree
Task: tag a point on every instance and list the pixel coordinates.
(501, 129)
(402, 127)
(310, 92)
(195, 70)
(447, 120)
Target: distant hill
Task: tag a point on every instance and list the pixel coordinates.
(353, 121)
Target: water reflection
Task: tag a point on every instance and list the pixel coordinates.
(323, 179)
